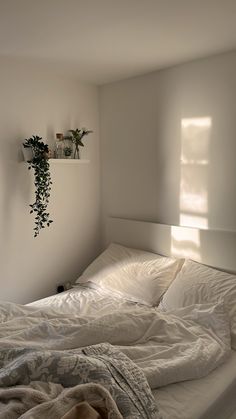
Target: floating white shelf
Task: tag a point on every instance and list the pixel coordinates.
(69, 161)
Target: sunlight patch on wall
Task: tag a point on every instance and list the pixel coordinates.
(185, 243)
(190, 220)
(193, 200)
(195, 139)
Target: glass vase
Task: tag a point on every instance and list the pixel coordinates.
(76, 154)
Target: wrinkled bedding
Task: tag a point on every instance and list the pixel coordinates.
(127, 395)
(212, 397)
(164, 348)
(86, 300)
(52, 401)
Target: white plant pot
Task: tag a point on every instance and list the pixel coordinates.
(27, 153)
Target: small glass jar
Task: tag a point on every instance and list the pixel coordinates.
(68, 148)
(59, 150)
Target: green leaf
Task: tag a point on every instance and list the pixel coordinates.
(42, 181)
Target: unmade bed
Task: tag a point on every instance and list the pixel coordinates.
(140, 335)
(211, 397)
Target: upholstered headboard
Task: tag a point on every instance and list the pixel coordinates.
(215, 248)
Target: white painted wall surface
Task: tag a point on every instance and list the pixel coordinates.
(169, 145)
(34, 100)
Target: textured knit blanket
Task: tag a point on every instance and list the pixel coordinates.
(119, 387)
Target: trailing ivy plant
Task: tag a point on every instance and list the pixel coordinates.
(42, 181)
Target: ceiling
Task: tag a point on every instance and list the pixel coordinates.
(102, 41)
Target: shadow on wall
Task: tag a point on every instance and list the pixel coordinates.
(15, 188)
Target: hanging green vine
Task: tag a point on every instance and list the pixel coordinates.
(42, 181)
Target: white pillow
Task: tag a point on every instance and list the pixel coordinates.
(200, 284)
(135, 274)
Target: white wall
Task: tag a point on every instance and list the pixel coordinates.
(169, 145)
(35, 100)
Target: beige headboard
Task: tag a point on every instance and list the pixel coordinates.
(215, 248)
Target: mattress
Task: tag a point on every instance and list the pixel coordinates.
(212, 397)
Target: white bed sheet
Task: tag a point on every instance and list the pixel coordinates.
(212, 397)
(87, 300)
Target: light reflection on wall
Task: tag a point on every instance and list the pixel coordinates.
(193, 202)
(185, 243)
(194, 171)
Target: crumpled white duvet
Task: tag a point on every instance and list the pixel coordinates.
(169, 347)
